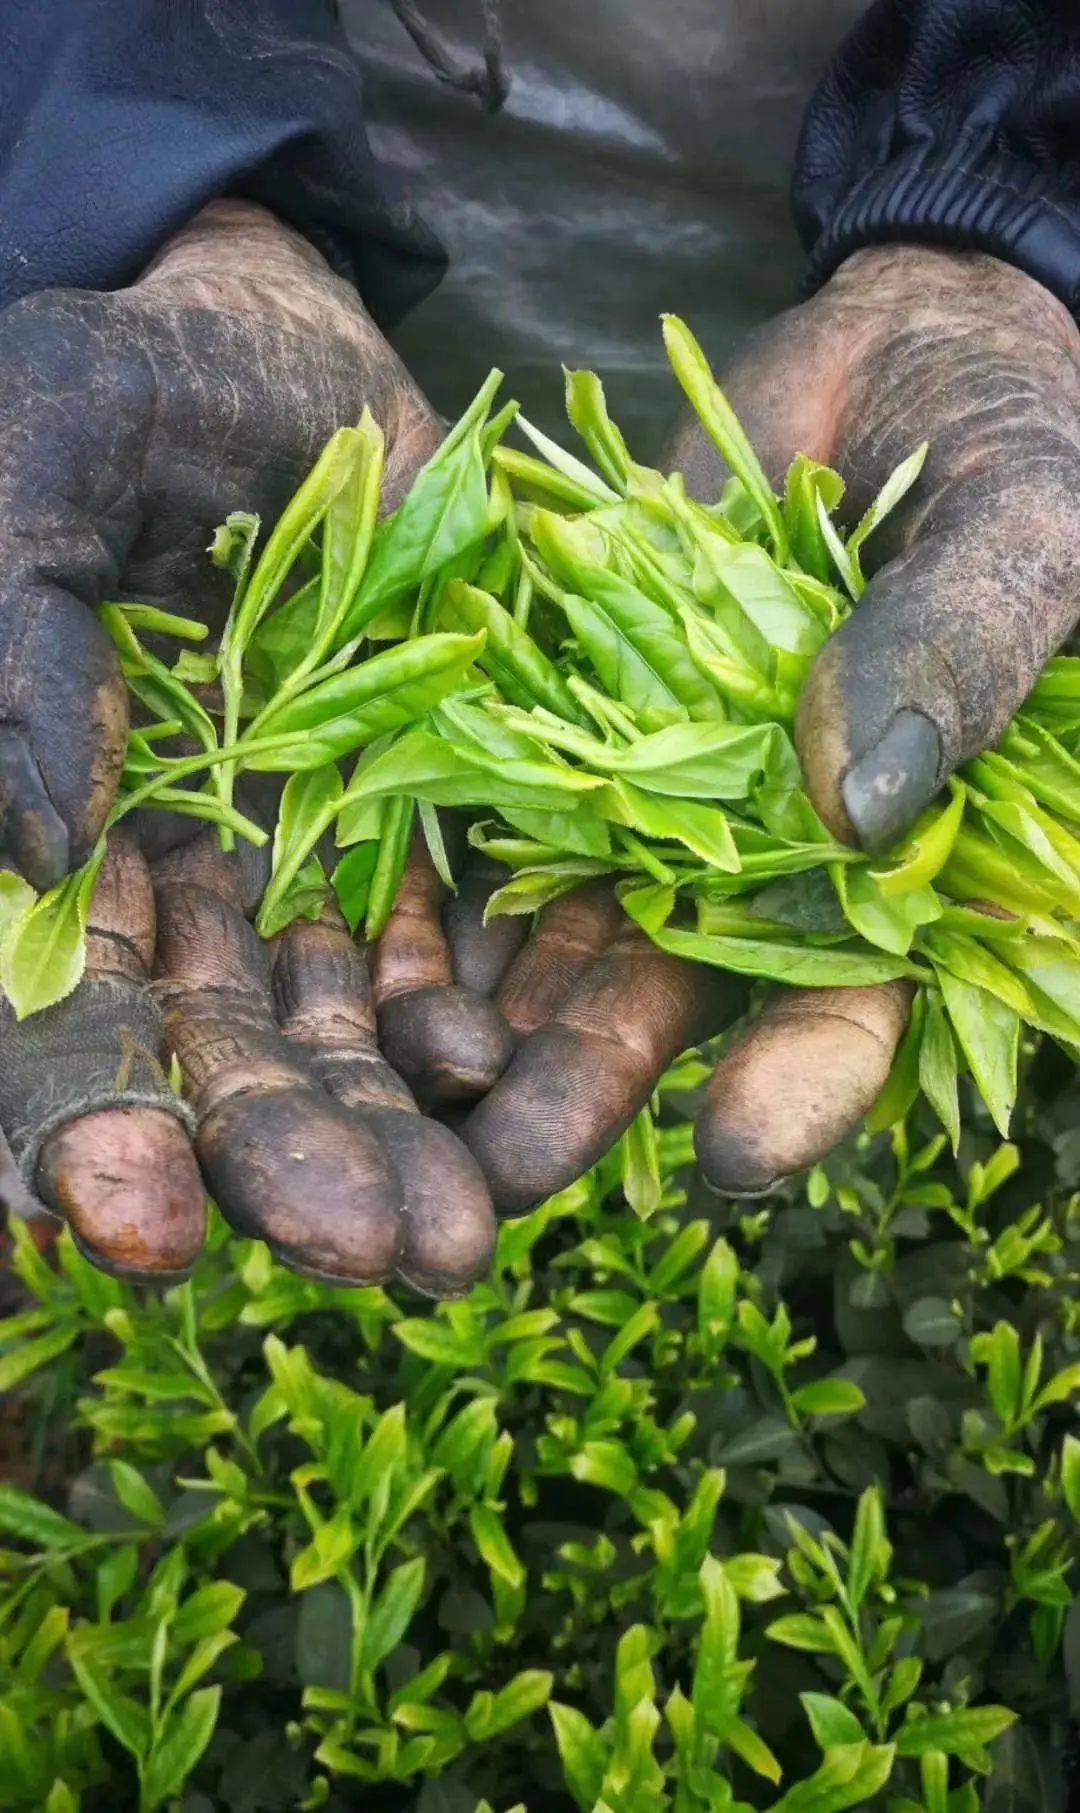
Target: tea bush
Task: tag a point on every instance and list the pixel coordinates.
(766, 1508)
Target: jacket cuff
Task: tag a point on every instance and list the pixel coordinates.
(967, 198)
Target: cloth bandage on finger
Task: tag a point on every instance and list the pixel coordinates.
(97, 1049)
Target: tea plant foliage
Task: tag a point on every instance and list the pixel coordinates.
(769, 1510)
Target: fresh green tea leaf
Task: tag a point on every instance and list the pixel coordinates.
(722, 425)
(938, 1069)
(43, 952)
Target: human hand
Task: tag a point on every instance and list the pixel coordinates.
(304, 1135)
(977, 581)
(976, 576)
(595, 1014)
(133, 424)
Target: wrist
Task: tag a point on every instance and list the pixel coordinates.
(236, 257)
(924, 281)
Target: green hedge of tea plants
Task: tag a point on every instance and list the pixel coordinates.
(768, 1507)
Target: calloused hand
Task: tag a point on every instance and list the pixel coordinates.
(132, 424)
(977, 582)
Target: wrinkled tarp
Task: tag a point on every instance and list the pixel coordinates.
(641, 163)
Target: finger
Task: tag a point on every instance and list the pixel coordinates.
(978, 577)
(324, 1005)
(480, 953)
(286, 1163)
(100, 1138)
(947, 639)
(447, 1041)
(574, 1085)
(65, 521)
(238, 876)
(570, 933)
(797, 1082)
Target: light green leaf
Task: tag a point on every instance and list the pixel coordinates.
(382, 1453)
(956, 1733)
(938, 1067)
(850, 1776)
(208, 1610)
(519, 1699)
(582, 1754)
(517, 664)
(828, 1397)
(754, 1751)
(888, 921)
(205, 1655)
(494, 1545)
(801, 965)
(331, 1547)
(606, 1464)
(392, 1612)
(43, 953)
(290, 534)
(16, 898)
(30, 1356)
(351, 881)
(181, 1749)
(869, 1554)
(567, 465)
(387, 692)
(586, 407)
(136, 1494)
(989, 1035)
(1070, 1475)
(895, 488)
(722, 425)
(437, 1342)
(642, 1184)
(799, 1630)
(766, 596)
(831, 1721)
(925, 850)
(1004, 1376)
(703, 829)
(31, 1521)
(121, 1715)
(902, 1087)
(443, 515)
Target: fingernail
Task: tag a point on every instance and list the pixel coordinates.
(734, 1194)
(893, 781)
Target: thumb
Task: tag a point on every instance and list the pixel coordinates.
(66, 511)
(947, 638)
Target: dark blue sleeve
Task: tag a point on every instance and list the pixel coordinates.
(949, 122)
(119, 119)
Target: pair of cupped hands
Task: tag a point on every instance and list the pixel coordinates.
(321, 1080)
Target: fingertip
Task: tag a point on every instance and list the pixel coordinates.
(126, 1182)
(881, 719)
(565, 1099)
(796, 1083)
(448, 1042)
(449, 1223)
(886, 789)
(290, 1167)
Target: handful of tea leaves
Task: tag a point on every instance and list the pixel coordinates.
(606, 674)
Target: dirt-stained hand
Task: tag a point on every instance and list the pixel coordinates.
(133, 423)
(977, 582)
